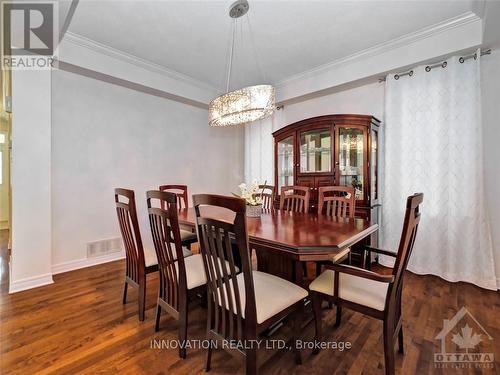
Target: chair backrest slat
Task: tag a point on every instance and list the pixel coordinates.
(218, 240)
(163, 220)
(129, 227)
(267, 194)
(295, 198)
(408, 235)
(181, 192)
(338, 201)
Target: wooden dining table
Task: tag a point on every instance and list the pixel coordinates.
(283, 240)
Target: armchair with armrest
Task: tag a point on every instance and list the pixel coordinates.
(368, 292)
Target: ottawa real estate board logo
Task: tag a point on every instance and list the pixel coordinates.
(29, 34)
(464, 343)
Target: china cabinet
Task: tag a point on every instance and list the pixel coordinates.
(331, 150)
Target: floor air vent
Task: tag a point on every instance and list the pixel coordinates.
(103, 247)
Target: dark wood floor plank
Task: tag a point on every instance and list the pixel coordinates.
(79, 326)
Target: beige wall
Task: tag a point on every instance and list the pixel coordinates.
(106, 136)
(31, 186)
(5, 122)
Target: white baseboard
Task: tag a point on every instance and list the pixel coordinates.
(30, 282)
(86, 262)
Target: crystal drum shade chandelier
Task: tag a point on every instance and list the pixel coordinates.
(244, 105)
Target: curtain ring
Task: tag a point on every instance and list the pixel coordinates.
(427, 68)
(444, 64)
(411, 73)
(475, 56)
(461, 60)
(396, 77)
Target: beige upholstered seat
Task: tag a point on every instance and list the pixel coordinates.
(187, 235)
(150, 258)
(353, 288)
(195, 271)
(272, 294)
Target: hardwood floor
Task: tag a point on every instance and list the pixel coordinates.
(79, 325)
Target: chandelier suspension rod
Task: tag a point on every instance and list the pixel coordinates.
(255, 51)
(231, 52)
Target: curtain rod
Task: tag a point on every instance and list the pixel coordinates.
(442, 64)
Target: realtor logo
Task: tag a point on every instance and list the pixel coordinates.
(466, 342)
(29, 34)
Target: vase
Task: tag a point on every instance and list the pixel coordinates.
(254, 211)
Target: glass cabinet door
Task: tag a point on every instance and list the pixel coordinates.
(316, 151)
(285, 162)
(374, 165)
(351, 159)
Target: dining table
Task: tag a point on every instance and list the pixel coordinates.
(283, 240)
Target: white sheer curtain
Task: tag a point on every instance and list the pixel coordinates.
(259, 149)
(433, 144)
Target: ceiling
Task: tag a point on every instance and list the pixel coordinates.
(291, 37)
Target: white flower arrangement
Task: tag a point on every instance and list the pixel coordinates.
(249, 193)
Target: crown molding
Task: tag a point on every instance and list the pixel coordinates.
(461, 21)
(381, 48)
(84, 42)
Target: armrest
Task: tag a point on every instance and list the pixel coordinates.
(360, 273)
(380, 251)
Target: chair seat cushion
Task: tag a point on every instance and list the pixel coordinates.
(150, 258)
(187, 235)
(353, 288)
(195, 271)
(272, 294)
(336, 258)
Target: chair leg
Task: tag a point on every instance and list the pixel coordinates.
(183, 323)
(204, 298)
(251, 367)
(401, 340)
(316, 303)
(338, 318)
(209, 357)
(318, 269)
(157, 319)
(297, 322)
(125, 287)
(389, 348)
(304, 269)
(142, 299)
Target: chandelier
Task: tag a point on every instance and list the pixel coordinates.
(243, 105)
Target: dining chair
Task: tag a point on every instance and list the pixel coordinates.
(241, 306)
(294, 198)
(267, 194)
(370, 293)
(188, 237)
(340, 202)
(139, 261)
(180, 276)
